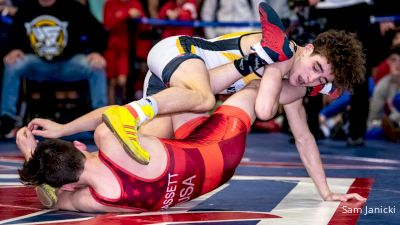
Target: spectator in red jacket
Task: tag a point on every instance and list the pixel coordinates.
(116, 15)
(383, 68)
(184, 10)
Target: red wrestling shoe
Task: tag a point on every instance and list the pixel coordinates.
(275, 45)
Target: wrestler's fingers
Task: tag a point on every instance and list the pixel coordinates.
(42, 133)
(345, 198)
(32, 127)
(28, 133)
(34, 124)
(19, 133)
(358, 197)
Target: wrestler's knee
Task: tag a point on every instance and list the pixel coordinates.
(207, 102)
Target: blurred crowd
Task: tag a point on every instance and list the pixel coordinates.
(62, 58)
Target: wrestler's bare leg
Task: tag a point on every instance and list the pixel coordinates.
(160, 126)
(189, 90)
(220, 78)
(192, 85)
(244, 99)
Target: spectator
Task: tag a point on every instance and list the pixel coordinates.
(239, 11)
(96, 7)
(386, 96)
(7, 8)
(152, 7)
(386, 8)
(183, 10)
(333, 117)
(143, 36)
(229, 11)
(392, 126)
(383, 68)
(340, 15)
(56, 40)
(116, 15)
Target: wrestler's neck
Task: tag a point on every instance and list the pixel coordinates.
(92, 168)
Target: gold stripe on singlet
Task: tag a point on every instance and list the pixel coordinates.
(232, 35)
(179, 46)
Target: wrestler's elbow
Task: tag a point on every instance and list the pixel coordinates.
(266, 111)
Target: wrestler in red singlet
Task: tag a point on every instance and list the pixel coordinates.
(198, 163)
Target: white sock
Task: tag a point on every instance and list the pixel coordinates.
(137, 106)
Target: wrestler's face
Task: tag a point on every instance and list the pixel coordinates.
(394, 65)
(396, 39)
(310, 69)
(46, 3)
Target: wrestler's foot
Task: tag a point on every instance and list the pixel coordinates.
(46, 195)
(124, 126)
(274, 46)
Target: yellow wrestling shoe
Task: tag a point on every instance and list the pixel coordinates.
(124, 126)
(46, 195)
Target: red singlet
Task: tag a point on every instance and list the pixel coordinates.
(197, 164)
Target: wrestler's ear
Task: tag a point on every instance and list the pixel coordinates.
(79, 145)
(72, 187)
(308, 49)
(68, 187)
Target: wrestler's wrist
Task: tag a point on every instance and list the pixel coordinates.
(326, 196)
(65, 130)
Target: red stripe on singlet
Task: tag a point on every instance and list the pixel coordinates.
(213, 166)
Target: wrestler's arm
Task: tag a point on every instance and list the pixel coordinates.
(268, 95)
(49, 129)
(82, 200)
(309, 152)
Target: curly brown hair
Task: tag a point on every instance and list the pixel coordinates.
(345, 53)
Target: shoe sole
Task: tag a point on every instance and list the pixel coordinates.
(272, 16)
(272, 19)
(45, 197)
(134, 155)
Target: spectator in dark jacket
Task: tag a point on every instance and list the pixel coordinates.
(56, 40)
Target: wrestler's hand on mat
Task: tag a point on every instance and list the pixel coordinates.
(344, 197)
(45, 128)
(26, 142)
